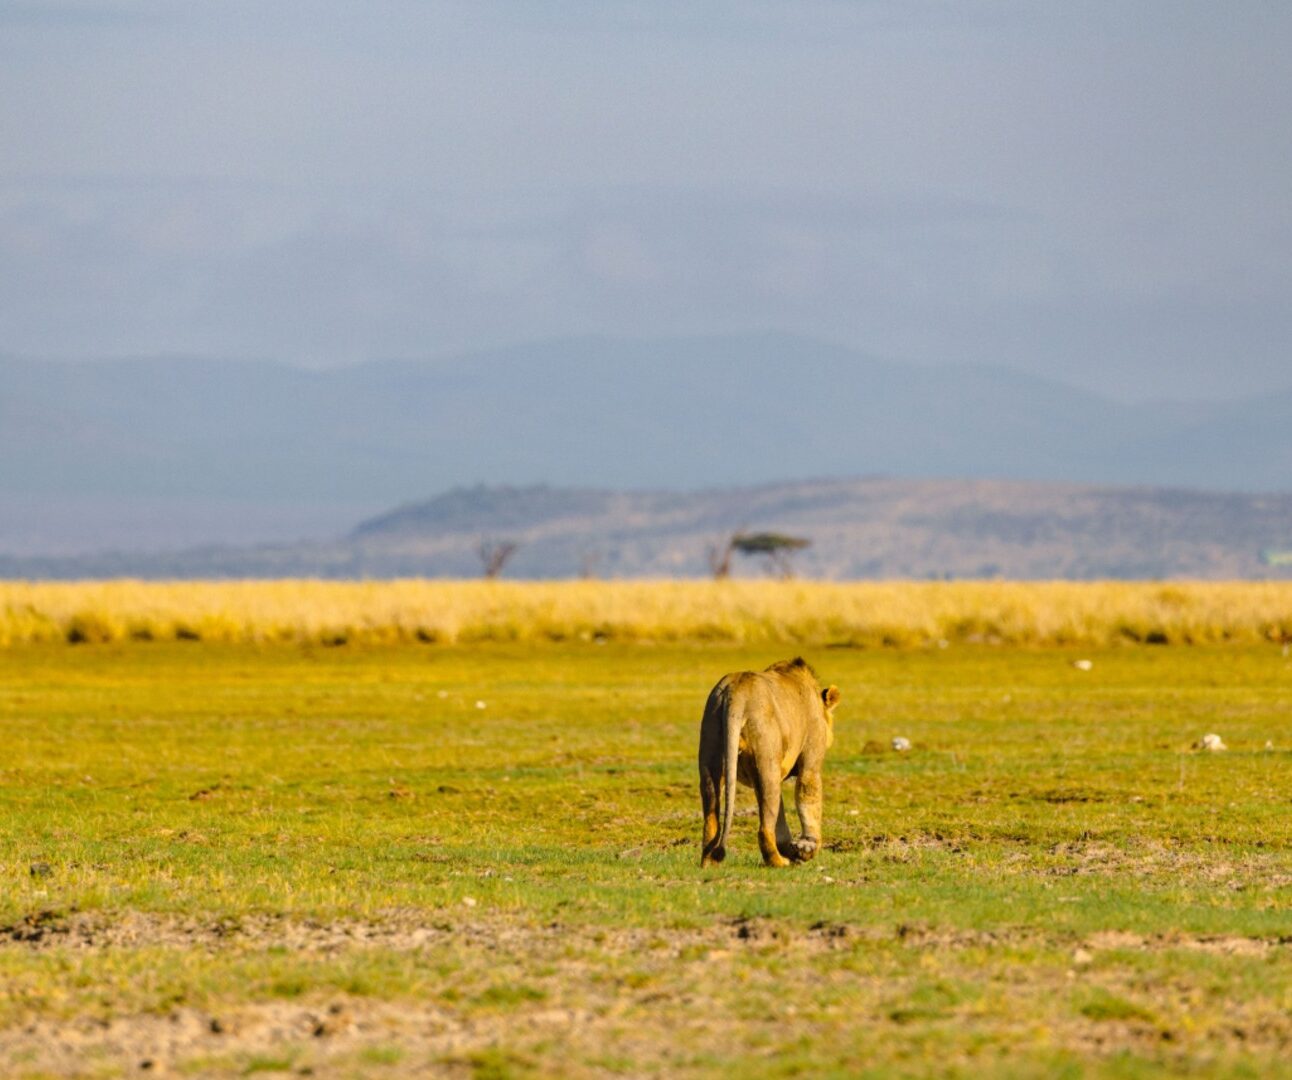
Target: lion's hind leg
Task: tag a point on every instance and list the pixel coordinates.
(770, 809)
(785, 842)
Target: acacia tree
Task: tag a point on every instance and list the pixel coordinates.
(494, 554)
(777, 548)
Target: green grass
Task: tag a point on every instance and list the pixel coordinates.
(1052, 882)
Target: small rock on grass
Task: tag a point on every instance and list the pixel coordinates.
(1083, 665)
(901, 744)
(1212, 742)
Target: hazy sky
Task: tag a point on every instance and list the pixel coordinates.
(1096, 191)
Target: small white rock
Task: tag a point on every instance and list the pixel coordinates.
(1082, 665)
(901, 744)
(854, 813)
(1082, 957)
(468, 901)
(1212, 742)
(1269, 744)
(480, 704)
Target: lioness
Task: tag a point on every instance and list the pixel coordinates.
(762, 727)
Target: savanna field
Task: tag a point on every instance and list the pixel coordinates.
(443, 828)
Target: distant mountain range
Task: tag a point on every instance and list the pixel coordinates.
(866, 528)
(140, 455)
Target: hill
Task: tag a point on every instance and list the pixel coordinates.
(179, 451)
(861, 528)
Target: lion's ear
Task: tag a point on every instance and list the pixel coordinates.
(830, 696)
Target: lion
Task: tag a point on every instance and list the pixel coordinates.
(761, 728)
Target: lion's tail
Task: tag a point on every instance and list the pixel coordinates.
(730, 757)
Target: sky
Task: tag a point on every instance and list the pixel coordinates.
(1099, 193)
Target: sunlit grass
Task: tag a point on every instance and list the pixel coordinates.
(466, 612)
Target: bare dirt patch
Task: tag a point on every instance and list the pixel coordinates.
(643, 994)
(295, 1036)
(1220, 944)
(403, 931)
(132, 929)
(593, 989)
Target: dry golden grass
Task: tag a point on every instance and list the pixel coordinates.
(861, 614)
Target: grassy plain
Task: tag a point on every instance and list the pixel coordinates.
(482, 861)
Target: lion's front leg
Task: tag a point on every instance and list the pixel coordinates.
(807, 793)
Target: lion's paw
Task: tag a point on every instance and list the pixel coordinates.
(805, 848)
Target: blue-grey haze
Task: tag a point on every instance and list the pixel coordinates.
(1095, 193)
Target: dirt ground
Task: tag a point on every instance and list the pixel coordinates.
(630, 1030)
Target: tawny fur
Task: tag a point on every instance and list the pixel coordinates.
(759, 729)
